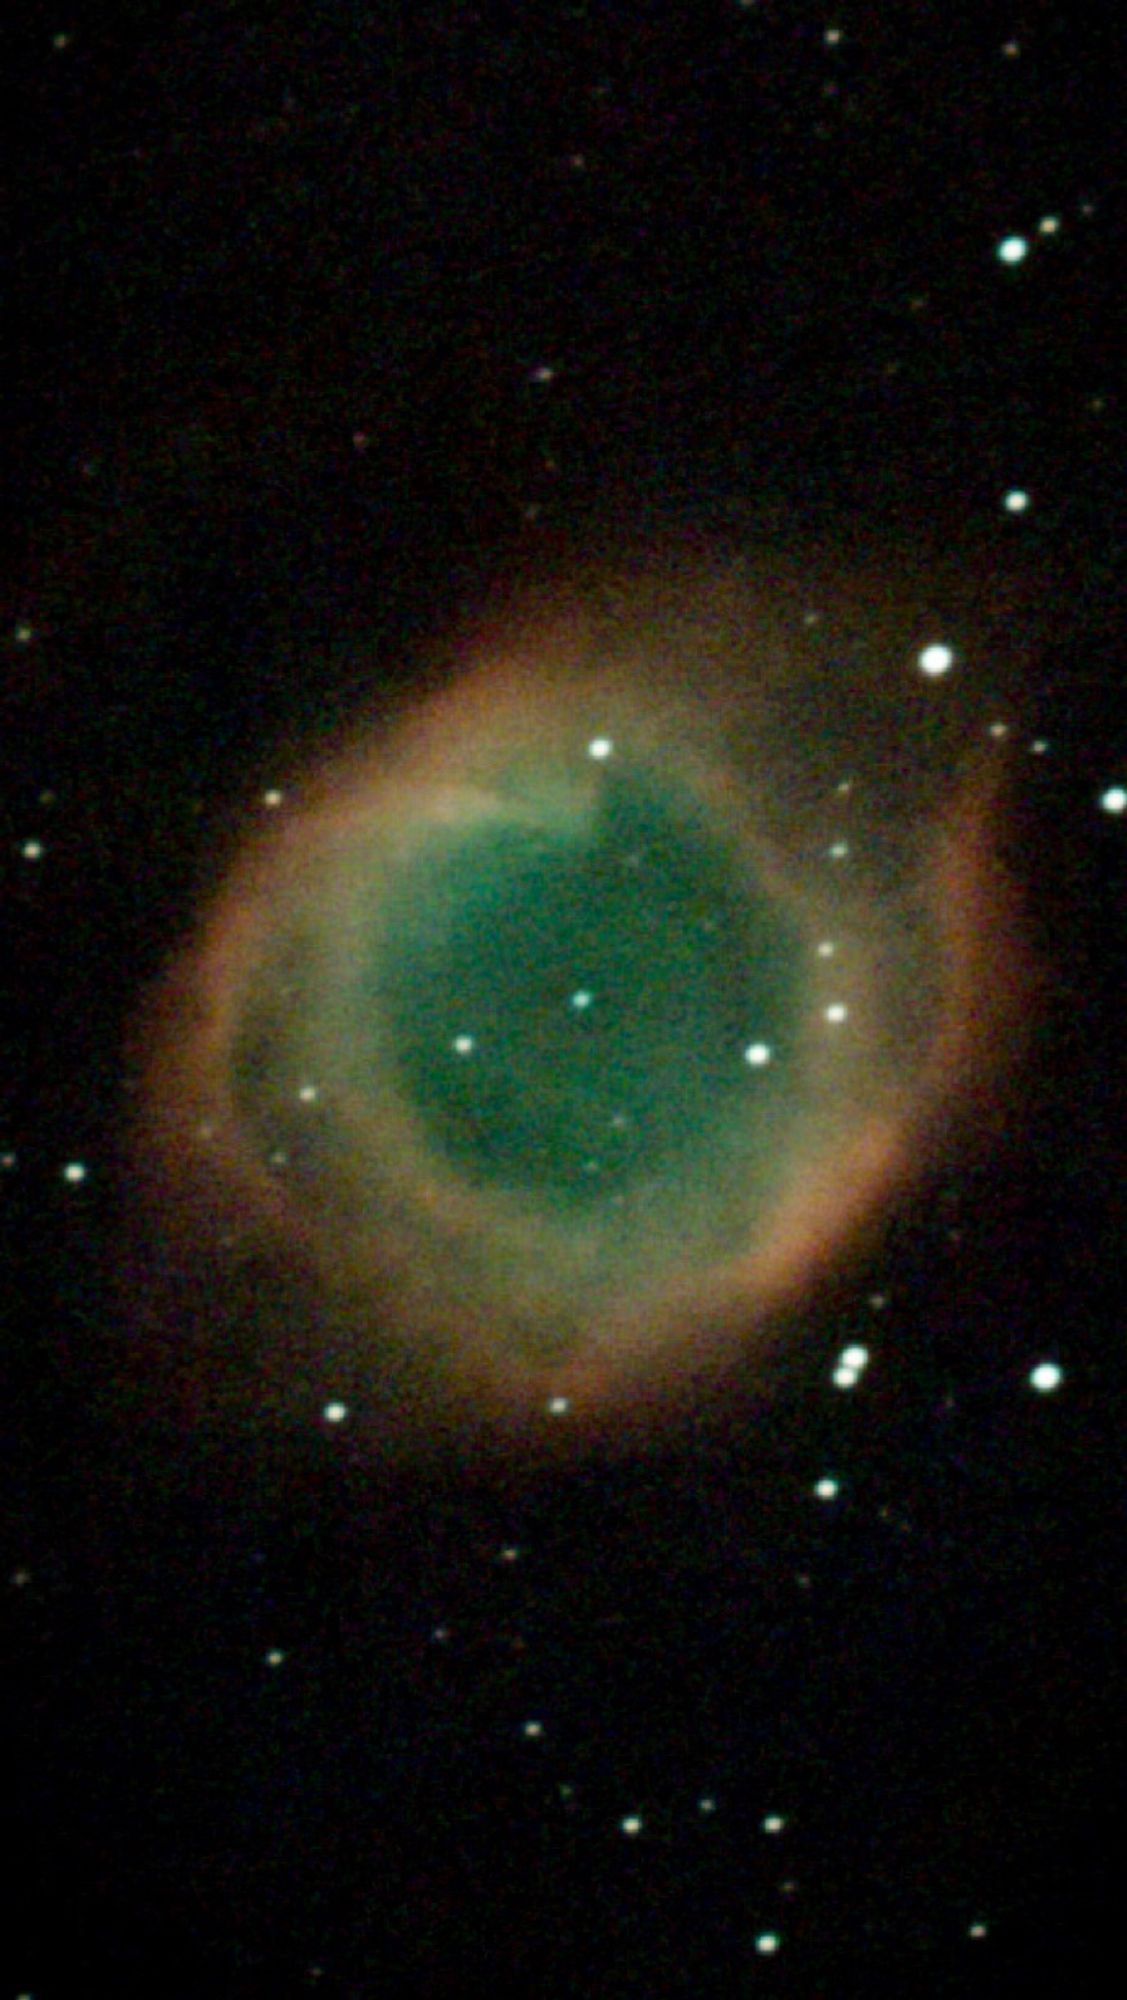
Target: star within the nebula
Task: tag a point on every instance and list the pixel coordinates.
(561, 1033)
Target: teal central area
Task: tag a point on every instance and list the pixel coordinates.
(573, 1008)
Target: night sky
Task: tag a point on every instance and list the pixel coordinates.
(398, 1600)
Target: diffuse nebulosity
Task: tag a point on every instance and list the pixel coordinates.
(565, 1028)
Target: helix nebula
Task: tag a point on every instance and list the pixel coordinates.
(580, 1013)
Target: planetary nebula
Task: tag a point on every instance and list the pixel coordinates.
(560, 1031)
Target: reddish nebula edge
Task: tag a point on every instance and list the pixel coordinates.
(437, 1301)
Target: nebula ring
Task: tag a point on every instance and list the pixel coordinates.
(569, 1026)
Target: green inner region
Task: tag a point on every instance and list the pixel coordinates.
(569, 1010)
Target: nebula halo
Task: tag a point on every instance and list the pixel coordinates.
(575, 1020)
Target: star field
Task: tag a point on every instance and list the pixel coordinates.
(563, 789)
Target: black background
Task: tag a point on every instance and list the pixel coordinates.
(287, 280)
